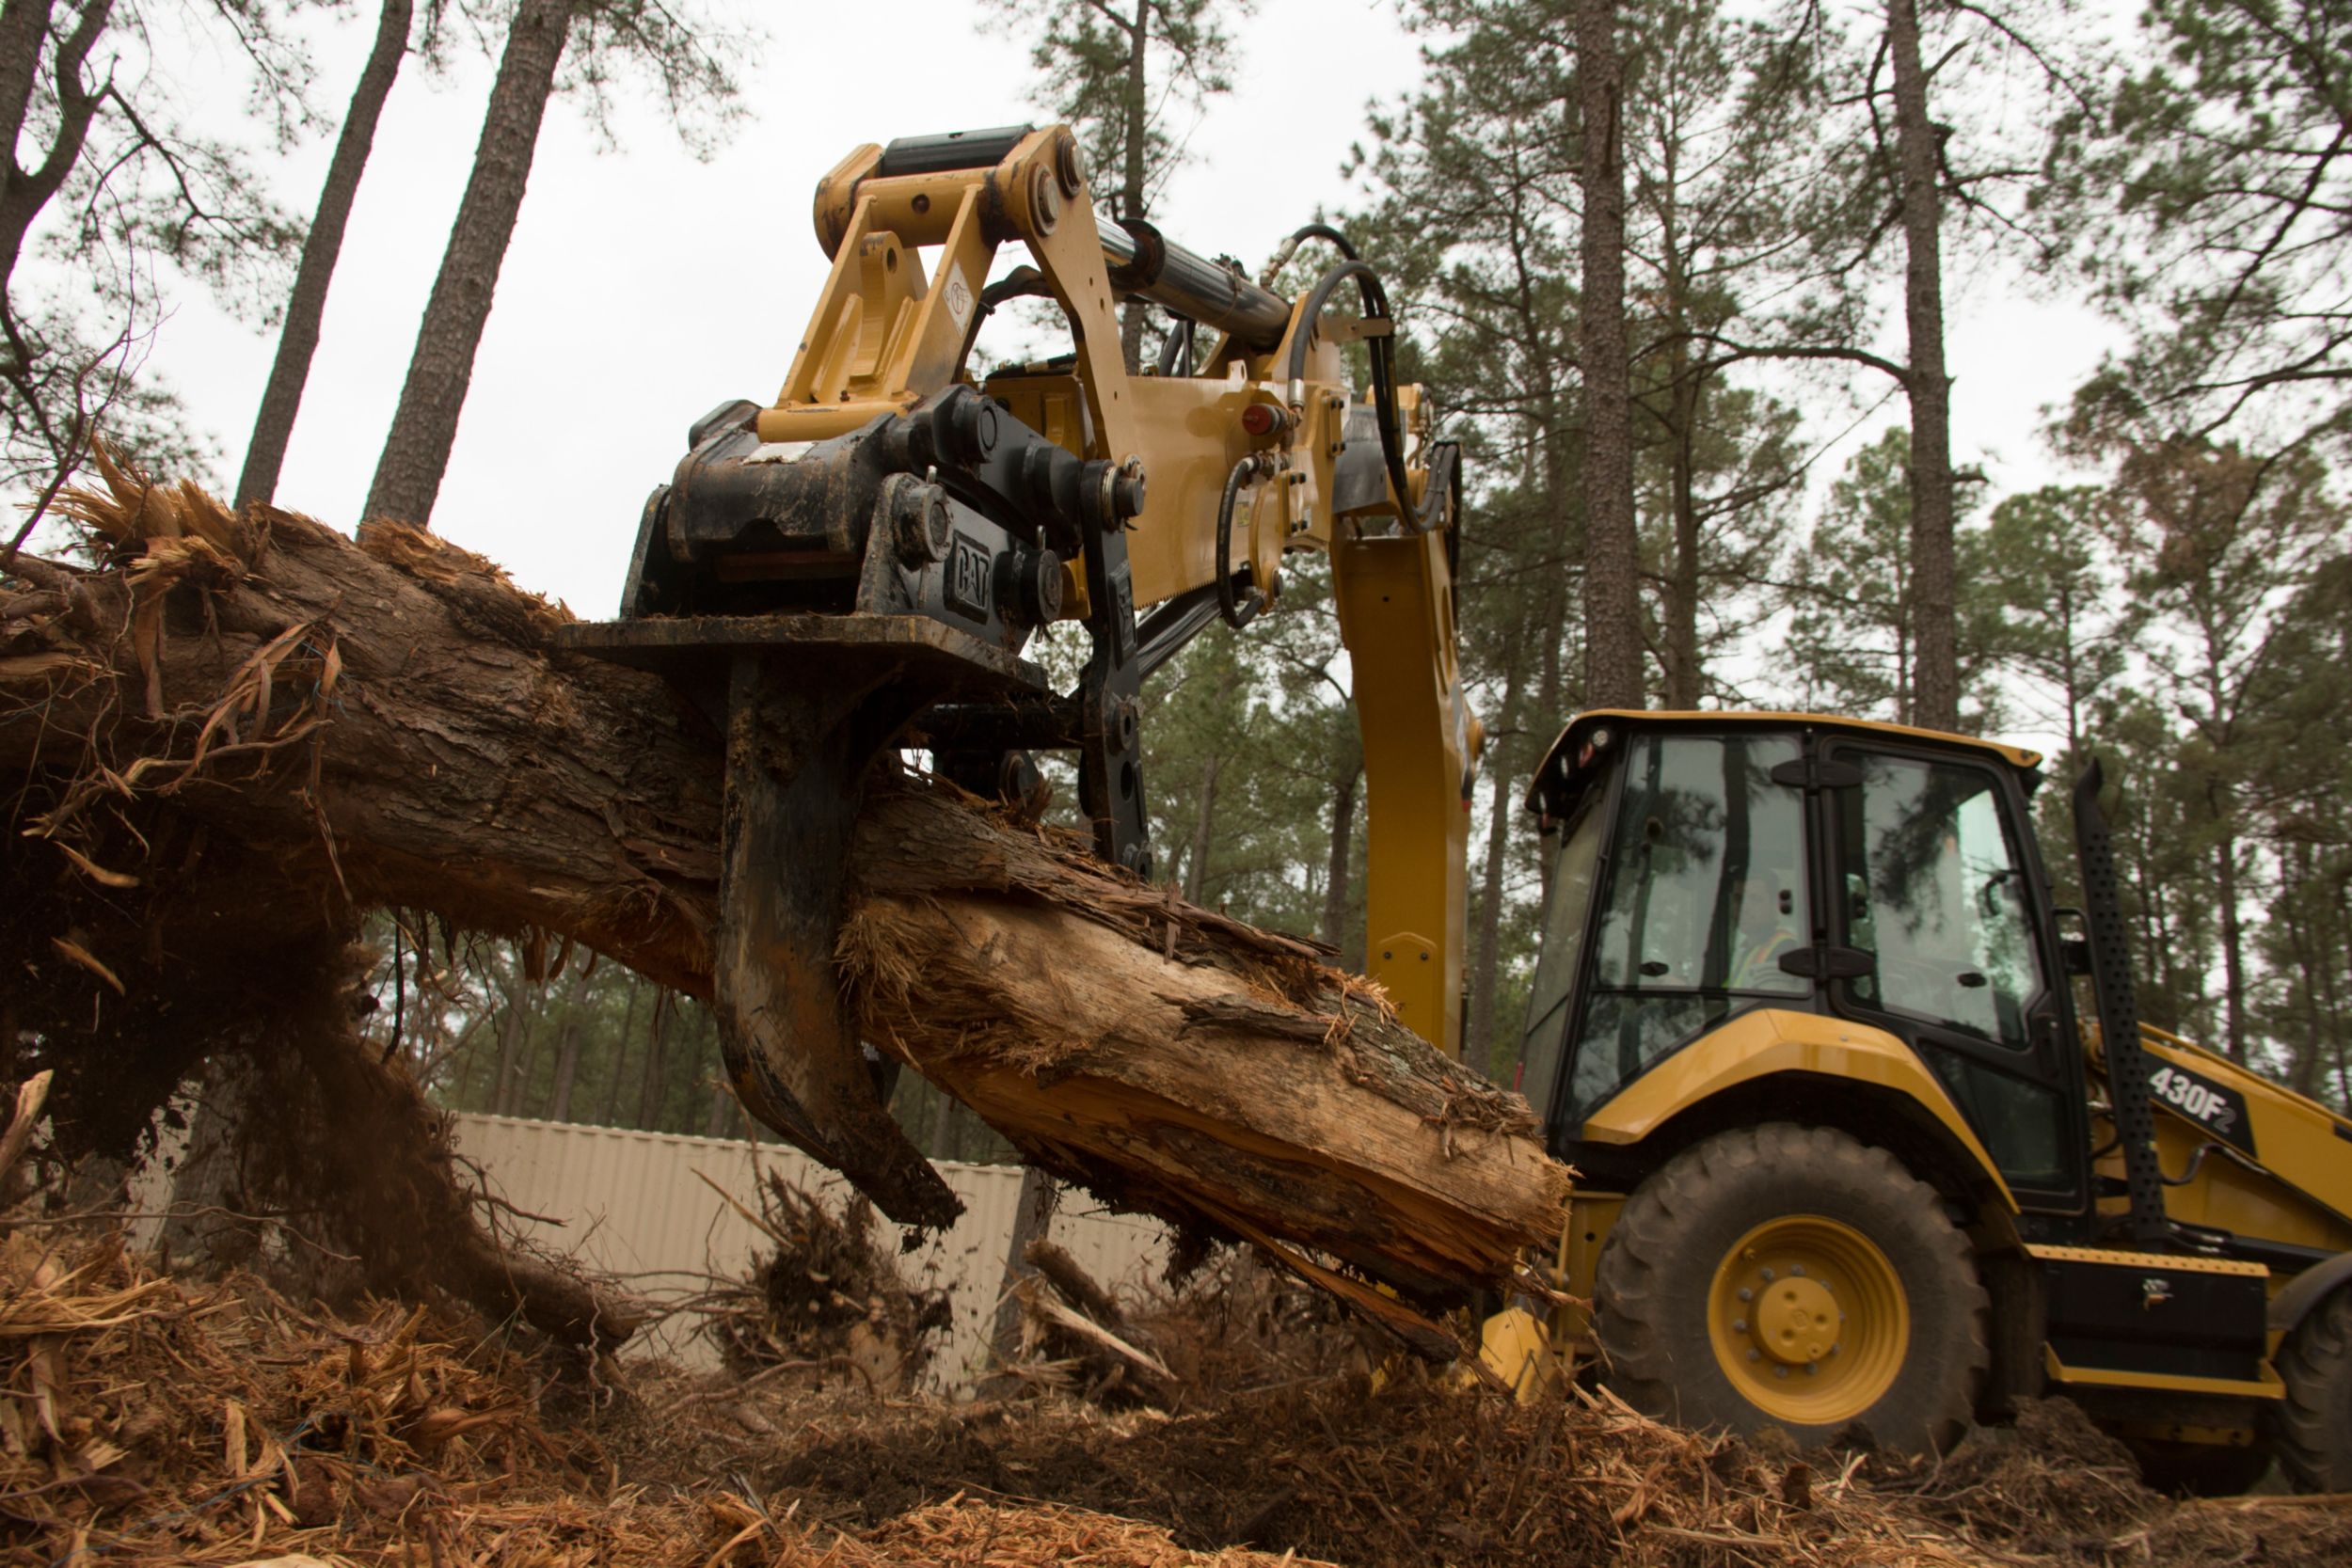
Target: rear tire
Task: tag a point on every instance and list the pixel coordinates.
(2312, 1427)
(1793, 1277)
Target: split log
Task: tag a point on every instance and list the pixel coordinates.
(346, 725)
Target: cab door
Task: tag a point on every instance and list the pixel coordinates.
(1933, 885)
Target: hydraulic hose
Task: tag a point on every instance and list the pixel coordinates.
(1375, 304)
(1299, 236)
(1237, 612)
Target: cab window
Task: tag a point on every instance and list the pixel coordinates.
(1553, 996)
(1936, 895)
(1705, 893)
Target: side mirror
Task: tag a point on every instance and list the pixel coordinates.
(2075, 952)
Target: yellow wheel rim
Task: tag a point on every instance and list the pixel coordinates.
(1809, 1320)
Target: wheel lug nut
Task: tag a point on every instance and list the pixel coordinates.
(1796, 1271)
(1746, 1295)
(1755, 1355)
(1768, 1276)
(1811, 1368)
(1780, 1371)
(1739, 1325)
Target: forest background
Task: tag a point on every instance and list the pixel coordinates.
(1975, 365)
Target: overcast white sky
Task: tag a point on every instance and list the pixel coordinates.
(644, 287)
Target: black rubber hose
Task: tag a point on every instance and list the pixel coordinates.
(1283, 252)
(1324, 231)
(1178, 348)
(1375, 304)
(1230, 605)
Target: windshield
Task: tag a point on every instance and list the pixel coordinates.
(1548, 1006)
(1705, 894)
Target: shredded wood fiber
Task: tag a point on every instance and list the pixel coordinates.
(147, 1420)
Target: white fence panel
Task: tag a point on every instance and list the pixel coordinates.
(632, 1203)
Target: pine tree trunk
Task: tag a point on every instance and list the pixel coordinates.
(24, 31)
(1486, 956)
(60, 133)
(1685, 393)
(650, 1087)
(416, 452)
(298, 339)
(1612, 604)
(1336, 932)
(1682, 592)
(1203, 826)
(2225, 889)
(1486, 962)
(610, 1115)
(503, 1090)
(943, 1124)
(568, 1049)
(1132, 187)
(1934, 571)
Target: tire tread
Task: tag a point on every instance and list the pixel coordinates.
(1632, 1301)
(2308, 1427)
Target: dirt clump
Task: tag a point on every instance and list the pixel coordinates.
(829, 1300)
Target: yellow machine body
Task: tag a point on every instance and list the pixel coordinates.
(2256, 1180)
(890, 329)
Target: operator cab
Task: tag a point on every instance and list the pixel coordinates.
(1709, 866)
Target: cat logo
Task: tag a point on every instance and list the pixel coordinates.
(967, 576)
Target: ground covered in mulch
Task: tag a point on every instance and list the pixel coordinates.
(151, 1419)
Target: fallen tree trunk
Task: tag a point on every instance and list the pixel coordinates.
(257, 723)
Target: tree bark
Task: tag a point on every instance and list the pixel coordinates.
(610, 1115)
(298, 340)
(384, 722)
(416, 453)
(1203, 830)
(24, 32)
(2225, 888)
(1935, 573)
(1612, 604)
(24, 191)
(567, 1049)
(1486, 956)
(654, 1078)
(512, 1036)
(1338, 872)
(1136, 107)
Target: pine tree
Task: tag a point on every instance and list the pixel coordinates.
(298, 336)
(611, 36)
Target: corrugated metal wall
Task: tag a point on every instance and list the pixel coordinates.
(631, 1204)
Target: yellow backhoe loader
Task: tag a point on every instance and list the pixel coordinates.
(1803, 1015)
(1805, 1021)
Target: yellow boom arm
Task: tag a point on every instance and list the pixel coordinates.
(890, 331)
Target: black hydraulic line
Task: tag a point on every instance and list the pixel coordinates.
(1299, 236)
(1375, 304)
(1163, 634)
(1176, 350)
(1237, 612)
(1324, 231)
